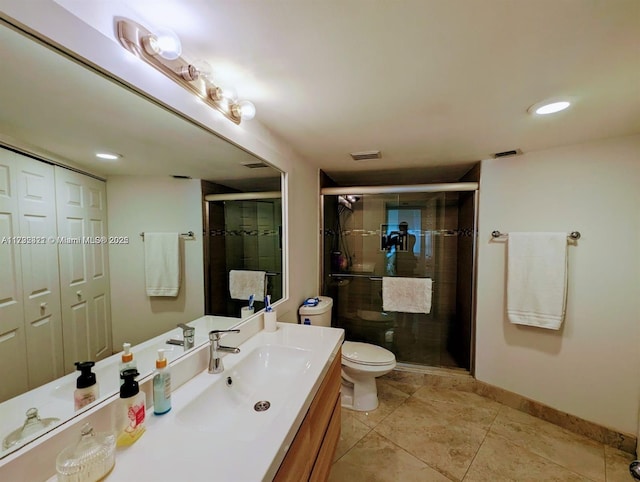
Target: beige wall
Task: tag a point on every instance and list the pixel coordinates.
(161, 204)
(590, 368)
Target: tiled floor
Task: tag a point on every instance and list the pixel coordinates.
(422, 433)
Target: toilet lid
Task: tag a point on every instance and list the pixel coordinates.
(366, 354)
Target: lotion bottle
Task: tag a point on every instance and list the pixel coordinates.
(126, 361)
(87, 389)
(131, 410)
(161, 386)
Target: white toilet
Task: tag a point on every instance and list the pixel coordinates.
(362, 363)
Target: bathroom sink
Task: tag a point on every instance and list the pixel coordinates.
(234, 405)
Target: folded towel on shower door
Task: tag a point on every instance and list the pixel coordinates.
(162, 264)
(244, 283)
(409, 295)
(537, 279)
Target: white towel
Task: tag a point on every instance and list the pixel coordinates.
(537, 279)
(243, 283)
(162, 264)
(409, 295)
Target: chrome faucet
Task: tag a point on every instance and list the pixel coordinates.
(188, 335)
(215, 362)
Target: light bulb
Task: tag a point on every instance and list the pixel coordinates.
(108, 156)
(246, 110)
(552, 108)
(204, 68)
(548, 107)
(230, 94)
(167, 43)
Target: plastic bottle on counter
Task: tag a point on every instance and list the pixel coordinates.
(87, 388)
(161, 385)
(132, 410)
(126, 361)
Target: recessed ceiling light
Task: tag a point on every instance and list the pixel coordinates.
(547, 107)
(108, 156)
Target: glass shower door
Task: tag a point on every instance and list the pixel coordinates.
(409, 235)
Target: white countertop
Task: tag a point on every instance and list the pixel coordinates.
(171, 451)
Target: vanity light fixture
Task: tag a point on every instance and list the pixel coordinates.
(548, 107)
(162, 50)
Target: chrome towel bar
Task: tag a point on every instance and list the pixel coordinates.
(571, 235)
(187, 235)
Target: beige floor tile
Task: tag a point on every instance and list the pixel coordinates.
(436, 438)
(500, 460)
(389, 398)
(351, 431)
(407, 382)
(460, 406)
(617, 464)
(376, 459)
(575, 452)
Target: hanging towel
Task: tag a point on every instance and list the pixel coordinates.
(162, 264)
(410, 295)
(243, 284)
(537, 279)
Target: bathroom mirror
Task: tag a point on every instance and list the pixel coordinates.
(55, 108)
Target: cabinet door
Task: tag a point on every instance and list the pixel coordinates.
(13, 349)
(84, 279)
(40, 279)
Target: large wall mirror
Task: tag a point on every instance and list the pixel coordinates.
(173, 176)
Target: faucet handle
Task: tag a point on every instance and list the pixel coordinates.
(215, 334)
(188, 335)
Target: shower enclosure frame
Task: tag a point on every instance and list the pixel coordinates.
(414, 188)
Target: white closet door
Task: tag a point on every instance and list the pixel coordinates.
(13, 349)
(86, 309)
(40, 279)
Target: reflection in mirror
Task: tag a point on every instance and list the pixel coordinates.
(243, 248)
(57, 113)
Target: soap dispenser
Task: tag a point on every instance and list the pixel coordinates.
(131, 411)
(87, 389)
(126, 360)
(161, 385)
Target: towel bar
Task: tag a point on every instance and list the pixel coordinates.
(188, 235)
(498, 234)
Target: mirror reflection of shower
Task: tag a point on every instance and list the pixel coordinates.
(243, 234)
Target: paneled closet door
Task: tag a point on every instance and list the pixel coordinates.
(13, 348)
(40, 278)
(86, 308)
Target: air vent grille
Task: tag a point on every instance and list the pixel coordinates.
(366, 155)
(256, 165)
(513, 152)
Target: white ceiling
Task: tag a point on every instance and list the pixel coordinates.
(434, 84)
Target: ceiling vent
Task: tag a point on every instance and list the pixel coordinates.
(256, 165)
(513, 152)
(366, 155)
(178, 176)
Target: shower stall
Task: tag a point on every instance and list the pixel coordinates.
(420, 231)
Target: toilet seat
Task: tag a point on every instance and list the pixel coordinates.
(358, 353)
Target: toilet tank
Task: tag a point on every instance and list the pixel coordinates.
(319, 315)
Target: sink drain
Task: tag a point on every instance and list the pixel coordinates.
(261, 406)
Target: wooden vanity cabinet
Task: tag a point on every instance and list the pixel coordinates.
(311, 453)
